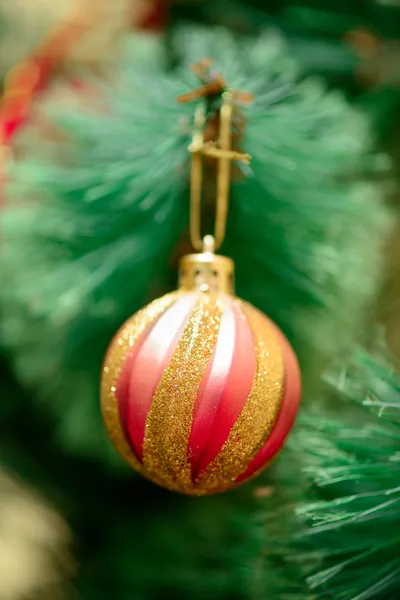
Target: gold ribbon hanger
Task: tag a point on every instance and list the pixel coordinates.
(221, 150)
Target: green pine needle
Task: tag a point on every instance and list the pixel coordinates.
(340, 484)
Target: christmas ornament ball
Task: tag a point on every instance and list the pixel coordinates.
(199, 389)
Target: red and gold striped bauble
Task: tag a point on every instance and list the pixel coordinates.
(200, 389)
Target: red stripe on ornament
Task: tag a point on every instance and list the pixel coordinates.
(224, 390)
(148, 365)
(123, 383)
(287, 413)
(212, 388)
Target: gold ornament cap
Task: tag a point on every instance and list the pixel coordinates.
(206, 271)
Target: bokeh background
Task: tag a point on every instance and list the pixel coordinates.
(83, 128)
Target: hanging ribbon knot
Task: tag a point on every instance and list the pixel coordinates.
(213, 85)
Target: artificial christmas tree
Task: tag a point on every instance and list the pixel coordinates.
(105, 211)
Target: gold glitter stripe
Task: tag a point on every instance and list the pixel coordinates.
(259, 413)
(123, 340)
(253, 476)
(170, 417)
